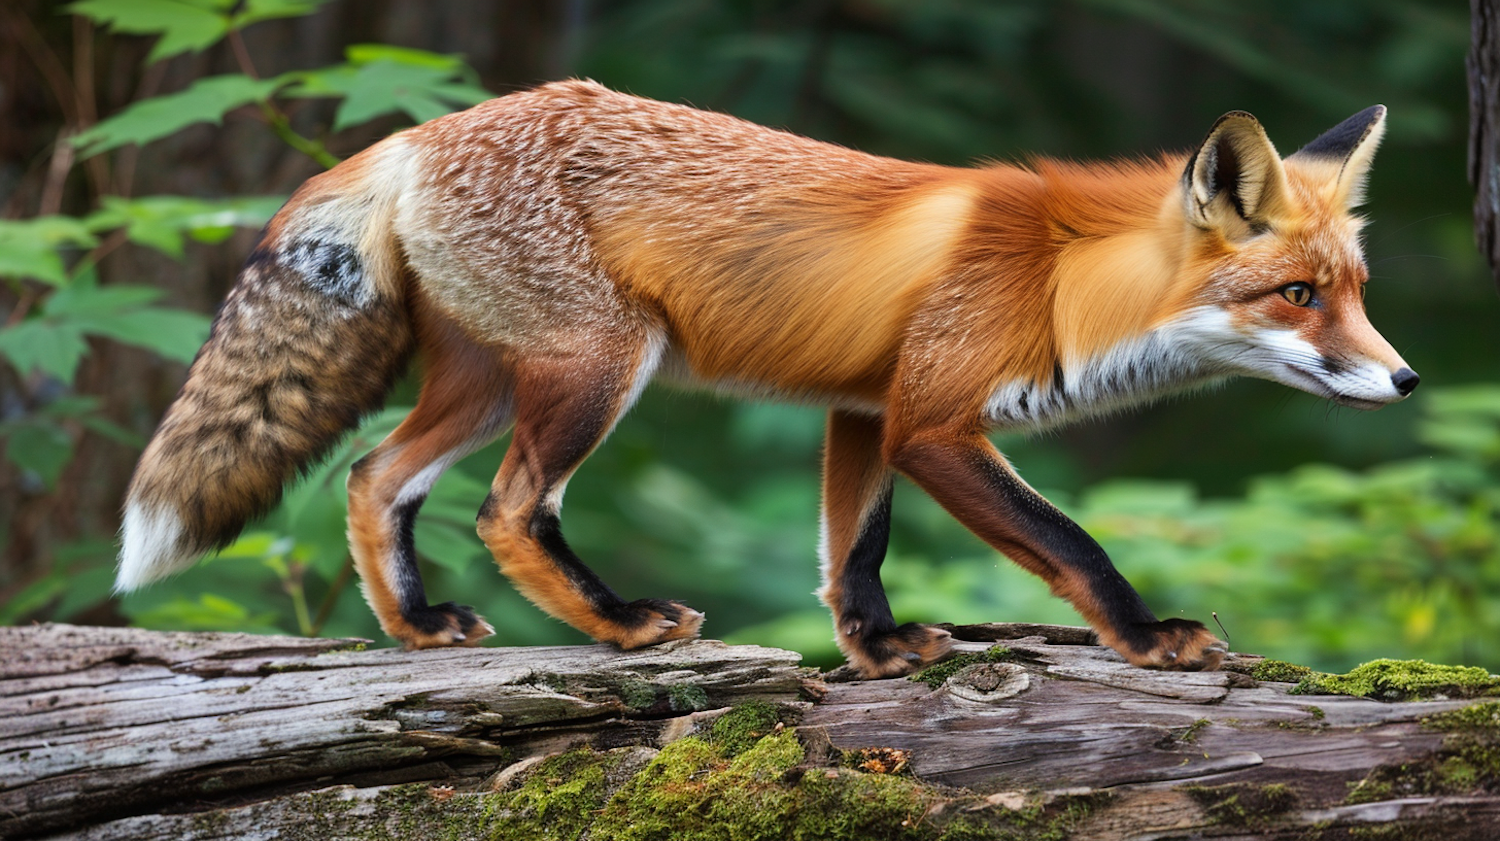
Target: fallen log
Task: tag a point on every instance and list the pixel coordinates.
(111, 733)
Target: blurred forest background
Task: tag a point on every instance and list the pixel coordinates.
(144, 142)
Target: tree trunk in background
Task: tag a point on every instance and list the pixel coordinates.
(1484, 128)
(512, 44)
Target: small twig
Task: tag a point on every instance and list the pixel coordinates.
(295, 572)
(116, 239)
(1215, 615)
(28, 298)
(331, 598)
(242, 55)
(45, 60)
(86, 102)
(57, 174)
(127, 157)
(283, 128)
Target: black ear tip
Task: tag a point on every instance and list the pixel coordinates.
(1341, 140)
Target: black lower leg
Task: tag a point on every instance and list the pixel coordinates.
(864, 612)
(1077, 557)
(546, 529)
(407, 577)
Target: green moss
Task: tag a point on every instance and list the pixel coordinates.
(1402, 680)
(1467, 763)
(1243, 805)
(1190, 733)
(1408, 831)
(749, 778)
(558, 799)
(687, 697)
(693, 792)
(416, 810)
(1057, 820)
(555, 682)
(735, 731)
(1482, 717)
(934, 676)
(696, 791)
(638, 694)
(1279, 671)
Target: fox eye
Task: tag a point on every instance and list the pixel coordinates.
(1299, 294)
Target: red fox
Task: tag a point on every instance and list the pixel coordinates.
(548, 253)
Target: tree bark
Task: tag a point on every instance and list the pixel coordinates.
(1484, 128)
(109, 733)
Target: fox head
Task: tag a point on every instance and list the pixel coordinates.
(1279, 248)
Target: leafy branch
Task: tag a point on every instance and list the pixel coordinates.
(51, 262)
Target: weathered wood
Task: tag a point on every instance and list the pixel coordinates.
(102, 722)
(125, 734)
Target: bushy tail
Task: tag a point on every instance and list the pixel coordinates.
(309, 340)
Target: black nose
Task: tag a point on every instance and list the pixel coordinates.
(1405, 381)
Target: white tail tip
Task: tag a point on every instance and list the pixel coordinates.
(151, 547)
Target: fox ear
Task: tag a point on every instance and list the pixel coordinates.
(1346, 152)
(1234, 183)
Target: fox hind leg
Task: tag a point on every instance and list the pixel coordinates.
(566, 404)
(465, 403)
(856, 528)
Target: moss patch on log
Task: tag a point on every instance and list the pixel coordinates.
(1402, 680)
(1467, 763)
(1279, 671)
(934, 676)
(749, 778)
(1242, 805)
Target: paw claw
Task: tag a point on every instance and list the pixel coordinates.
(1174, 644)
(897, 652)
(649, 622)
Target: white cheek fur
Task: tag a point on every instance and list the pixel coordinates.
(1189, 352)
(1197, 349)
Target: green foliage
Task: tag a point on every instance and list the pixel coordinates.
(205, 101)
(379, 79)
(29, 247)
(187, 25)
(49, 262)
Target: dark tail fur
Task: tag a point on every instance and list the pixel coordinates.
(308, 342)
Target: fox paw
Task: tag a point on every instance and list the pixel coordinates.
(1175, 644)
(650, 621)
(442, 625)
(894, 653)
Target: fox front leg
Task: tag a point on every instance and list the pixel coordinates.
(968, 476)
(856, 527)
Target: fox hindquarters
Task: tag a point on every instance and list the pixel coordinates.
(548, 253)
